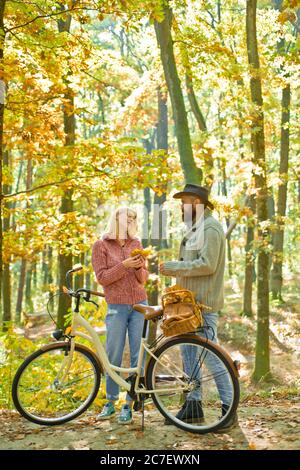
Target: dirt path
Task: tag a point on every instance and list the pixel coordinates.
(264, 423)
(268, 424)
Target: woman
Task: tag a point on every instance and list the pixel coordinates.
(122, 278)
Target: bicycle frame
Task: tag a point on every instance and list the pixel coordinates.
(112, 370)
(170, 379)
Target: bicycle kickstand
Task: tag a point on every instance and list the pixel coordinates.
(143, 415)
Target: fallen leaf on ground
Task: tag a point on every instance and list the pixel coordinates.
(19, 436)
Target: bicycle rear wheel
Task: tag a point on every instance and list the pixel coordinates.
(45, 391)
(195, 386)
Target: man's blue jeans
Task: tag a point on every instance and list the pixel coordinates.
(121, 318)
(190, 355)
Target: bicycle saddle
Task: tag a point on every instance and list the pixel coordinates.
(149, 311)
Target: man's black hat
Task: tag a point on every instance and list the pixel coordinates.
(195, 190)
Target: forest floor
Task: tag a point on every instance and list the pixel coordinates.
(263, 424)
(269, 413)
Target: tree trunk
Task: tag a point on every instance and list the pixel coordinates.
(278, 236)
(45, 267)
(7, 316)
(146, 217)
(194, 103)
(148, 144)
(249, 265)
(50, 275)
(14, 204)
(65, 260)
(227, 219)
(158, 220)
(101, 108)
(28, 295)
(34, 275)
(159, 217)
(262, 357)
(64, 265)
(21, 291)
(208, 164)
(88, 273)
(222, 167)
(23, 277)
(2, 93)
(192, 174)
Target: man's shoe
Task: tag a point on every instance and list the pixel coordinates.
(231, 423)
(125, 415)
(191, 412)
(107, 412)
(167, 422)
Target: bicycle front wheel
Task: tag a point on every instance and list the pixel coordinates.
(195, 386)
(53, 386)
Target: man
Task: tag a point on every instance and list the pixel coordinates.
(200, 268)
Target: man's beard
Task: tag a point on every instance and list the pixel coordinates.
(189, 217)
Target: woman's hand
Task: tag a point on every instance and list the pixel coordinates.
(161, 269)
(142, 262)
(134, 262)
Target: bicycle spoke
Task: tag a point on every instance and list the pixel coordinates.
(177, 369)
(79, 380)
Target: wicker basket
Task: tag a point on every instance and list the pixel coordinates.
(181, 313)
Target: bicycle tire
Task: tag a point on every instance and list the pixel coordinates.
(64, 346)
(196, 340)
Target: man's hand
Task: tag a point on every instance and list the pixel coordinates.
(161, 269)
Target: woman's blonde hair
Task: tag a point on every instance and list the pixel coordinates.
(113, 225)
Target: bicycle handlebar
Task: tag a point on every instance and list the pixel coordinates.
(76, 268)
(99, 294)
(89, 291)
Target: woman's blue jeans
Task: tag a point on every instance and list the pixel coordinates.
(120, 319)
(190, 356)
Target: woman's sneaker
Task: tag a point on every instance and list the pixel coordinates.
(125, 415)
(107, 412)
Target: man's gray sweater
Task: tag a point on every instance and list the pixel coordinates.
(200, 267)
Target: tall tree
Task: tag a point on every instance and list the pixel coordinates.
(191, 172)
(208, 163)
(7, 317)
(64, 258)
(158, 219)
(278, 235)
(2, 93)
(22, 276)
(162, 145)
(262, 357)
(249, 262)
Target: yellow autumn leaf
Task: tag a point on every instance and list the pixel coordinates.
(145, 252)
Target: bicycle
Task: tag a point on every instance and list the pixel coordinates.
(60, 381)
